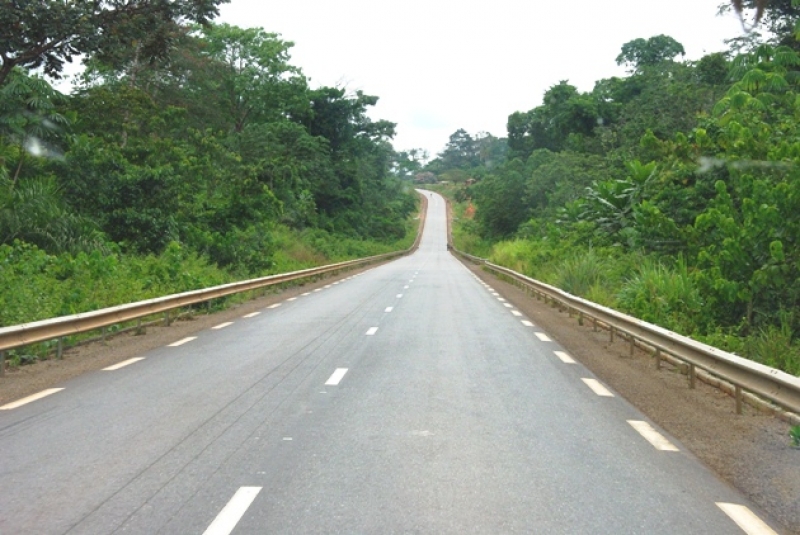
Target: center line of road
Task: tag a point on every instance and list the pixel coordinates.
(652, 436)
(389, 309)
(597, 388)
(566, 359)
(233, 512)
(543, 337)
(371, 331)
(34, 397)
(336, 377)
(222, 325)
(122, 364)
(251, 315)
(746, 519)
(183, 341)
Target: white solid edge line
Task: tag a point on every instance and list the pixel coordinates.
(746, 519)
(517, 313)
(566, 359)
(371, 331)
(389, 309)
(336, 377)
(598, 388)
(183, 341)
(251, 315)
(527, 323)
(122, 364)
(543, 337)
(26, 400)
(233, 512)
(222, 325)
(655, 438)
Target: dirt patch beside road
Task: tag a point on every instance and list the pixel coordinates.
(752, 452)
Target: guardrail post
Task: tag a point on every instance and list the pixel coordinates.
(738, 399)
(167, 320)
(139, 327)
(2, 363)
(594, 324)
(580, 319)
(611, 333)
(658, 359)
(692, 376)
(633, 343)
(103, 335)
(60, 348)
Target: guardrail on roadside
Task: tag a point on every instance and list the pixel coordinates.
(745, 375)
(16, 336)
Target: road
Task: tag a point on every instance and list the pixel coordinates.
(410, 398)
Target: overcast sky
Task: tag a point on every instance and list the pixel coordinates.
(441, 65)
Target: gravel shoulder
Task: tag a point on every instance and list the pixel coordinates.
(751, 452)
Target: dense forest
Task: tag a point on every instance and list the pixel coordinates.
(188, 154)
(672, 193)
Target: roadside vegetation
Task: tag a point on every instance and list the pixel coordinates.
(672, 194)
(188, 154)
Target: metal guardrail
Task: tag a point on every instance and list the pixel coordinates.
(771, 384)
(57, 328)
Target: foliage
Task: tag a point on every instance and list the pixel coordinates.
(48, 33)
(671, 194)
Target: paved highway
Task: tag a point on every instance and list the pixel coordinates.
(411, 398)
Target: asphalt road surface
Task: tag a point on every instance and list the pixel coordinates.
(408, 399)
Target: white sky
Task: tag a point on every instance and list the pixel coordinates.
(440, 65)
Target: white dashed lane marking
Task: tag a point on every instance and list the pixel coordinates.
(527, 323)
(517, 313)
(251, 315)
(371, 331)
(122, 364)
(233, 512)
(26, 400)
(276, 305)
(652, 436)
(746, 519)
(389, 309)
(222, 325)
(183, 341)
(543, 337)
(291, 299)
(336, 377)
(566, 359)
(399, 296)
(598, 388)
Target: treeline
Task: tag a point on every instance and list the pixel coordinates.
(188, 153)
(672, 193)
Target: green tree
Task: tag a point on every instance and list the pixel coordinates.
(642, 53)
(48, 33)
